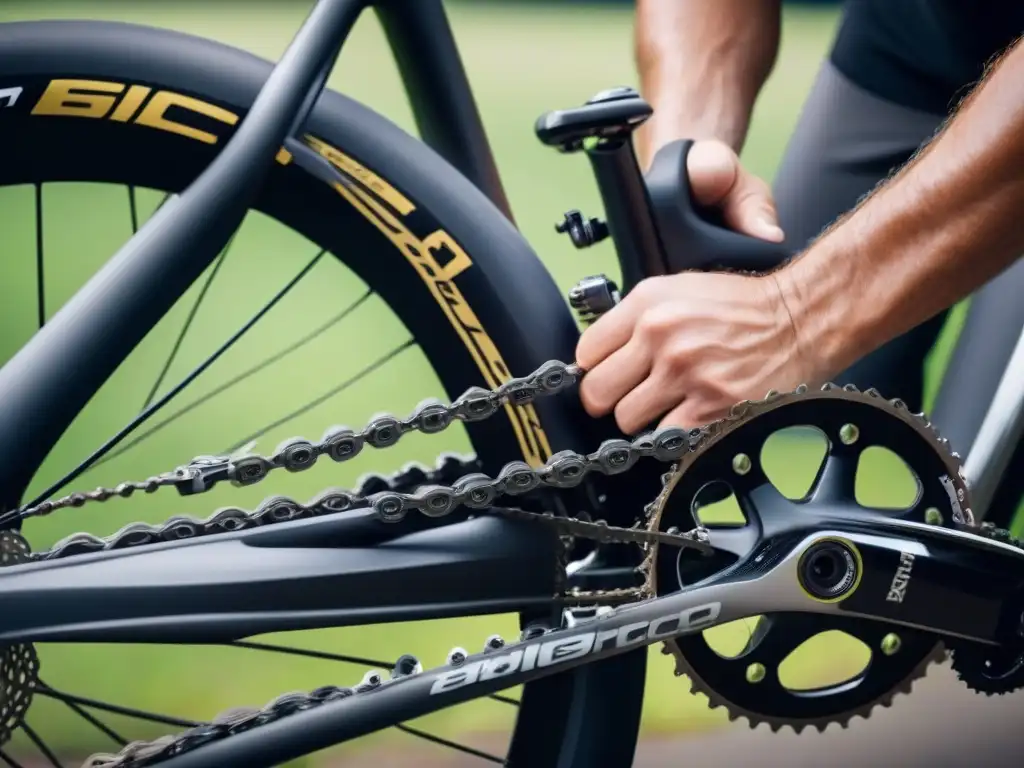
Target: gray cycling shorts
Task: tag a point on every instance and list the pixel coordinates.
(846, 141)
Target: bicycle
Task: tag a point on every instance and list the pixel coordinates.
(601, 553)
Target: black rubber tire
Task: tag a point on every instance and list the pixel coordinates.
(582, 718)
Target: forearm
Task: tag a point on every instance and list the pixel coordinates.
(701, 65)
(943, 226)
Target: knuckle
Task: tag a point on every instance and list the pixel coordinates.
(594, 397)
(676, 361)
(656, 322)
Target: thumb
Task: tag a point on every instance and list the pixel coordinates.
(717, 179)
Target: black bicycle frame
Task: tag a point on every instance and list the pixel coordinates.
(354, 568)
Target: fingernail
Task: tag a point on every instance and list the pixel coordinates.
(770, 230)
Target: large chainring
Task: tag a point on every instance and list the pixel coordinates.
(748, 685)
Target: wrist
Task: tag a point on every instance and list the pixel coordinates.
(818, 291)
(685, 107)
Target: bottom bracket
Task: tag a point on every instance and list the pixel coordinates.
(829, 570)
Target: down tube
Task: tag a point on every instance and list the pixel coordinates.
(51, 378)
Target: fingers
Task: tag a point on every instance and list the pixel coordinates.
(713, 168)
(682, 415)
(614, 329)
(718, 179)
(645, 403)
(607, 383)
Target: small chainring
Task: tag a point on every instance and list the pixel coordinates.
(990, 671)
(19, 664)
(748, 684)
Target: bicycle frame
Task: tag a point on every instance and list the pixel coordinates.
(318, 572)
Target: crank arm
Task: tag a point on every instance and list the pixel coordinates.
(949, 583)
(757, 585)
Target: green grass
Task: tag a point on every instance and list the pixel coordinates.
(520, 63)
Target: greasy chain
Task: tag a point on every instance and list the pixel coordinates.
(413, 490)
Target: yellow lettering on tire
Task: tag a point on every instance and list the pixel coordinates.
(421, 254)
(77, 98)
(153, 115)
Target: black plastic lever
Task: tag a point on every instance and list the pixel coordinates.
(694, 237)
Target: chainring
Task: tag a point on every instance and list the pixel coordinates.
(19, 664)
(990, 671)
(851, 421)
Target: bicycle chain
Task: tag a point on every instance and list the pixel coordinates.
(565, 469)
(475, 491)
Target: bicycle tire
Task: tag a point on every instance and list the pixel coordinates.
(471, 327)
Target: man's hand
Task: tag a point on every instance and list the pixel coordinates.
(718, 180)
(690, 346)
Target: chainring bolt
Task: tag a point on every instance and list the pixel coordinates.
(849, 434)
(891, 644)
(741, 464)
(932, 516)
(756, 673)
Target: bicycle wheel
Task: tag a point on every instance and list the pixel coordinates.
(421, 243)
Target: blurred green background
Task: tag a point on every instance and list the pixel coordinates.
(522, 59)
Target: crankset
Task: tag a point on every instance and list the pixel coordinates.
(913, 566)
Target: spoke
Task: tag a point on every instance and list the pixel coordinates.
(133, 208)
(91, 718)
(40, 260)
(222, 388)
(41, 746)
(378, 363)
(177, 388)
(451, 744)
(504, 699)
(138, 714)
(163, 201)
(176, 347)
(311, 654)
(10, 761)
